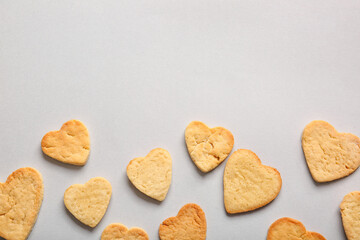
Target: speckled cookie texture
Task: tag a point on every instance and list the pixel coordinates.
(88, 202)
(291, 229)
(152, 174)
(117, 231)
(189, 224)
(208, 147)
(350, 213)
(71, 144)
(248, 184)
(20, 201)
(330, 155)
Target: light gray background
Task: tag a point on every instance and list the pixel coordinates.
(137, 72)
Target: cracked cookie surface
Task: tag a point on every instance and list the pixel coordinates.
(189, 224)
(151, 174)
(208, 147)
(248, 184)
(330, 155)
(117, 231)
(20, 201)
(88, 202)
(291, 229)
(71, 144)
(350, 214)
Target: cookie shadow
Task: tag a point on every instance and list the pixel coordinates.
(202, 174)
(142, 195)
(77, 221)
(58, 163)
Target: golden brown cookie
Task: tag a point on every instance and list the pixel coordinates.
(152, 174)
(117, 231)
(208, 147)
(189, 224)
(20, 201)
(71, 144)
(291, 229)
(329, 154)
(350, 213)
(248, 184)
(88, 202)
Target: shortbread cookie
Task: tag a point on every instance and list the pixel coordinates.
(117, 231)
(248, 184)
(350, 213)
(189, 224)
(208, 147)
(329, 154)
(20, 200)
(291, 229)
(152, 174)
(88, 202)
(71, 144)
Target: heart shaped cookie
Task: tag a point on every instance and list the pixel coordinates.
(208, 147)
(88, 202)
(291, 229)
(118, 231)
(189, 224)
(71, 144)
(329, 155)
(350, 213)
(20, 200)
(152, 174)
(248, 184)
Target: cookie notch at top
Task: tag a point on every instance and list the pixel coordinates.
(151, 174)
(208, 147)
(190, 223)
(118, 231)
(70, 144)
(248, 184)
(88, 202)
(330, 155)
(289, 229)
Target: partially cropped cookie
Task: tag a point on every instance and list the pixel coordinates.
(291, 229)
(330, 155)
(189, 224)
(20, 201)
(152, 174)
(117, 231)
(208, 147)
(88, 202)
(248, 184)
(71, 144)
(350, 213)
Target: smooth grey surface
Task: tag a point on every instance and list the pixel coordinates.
(137, 72)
